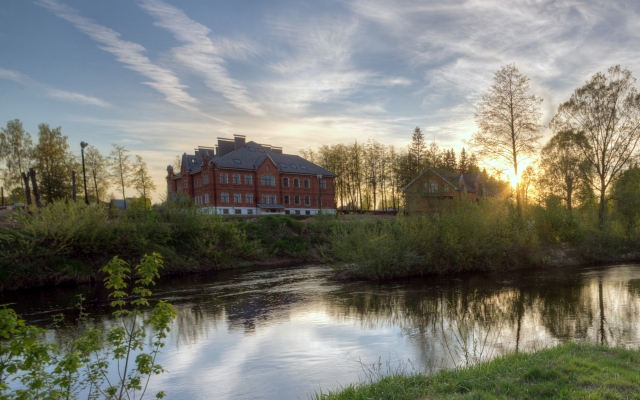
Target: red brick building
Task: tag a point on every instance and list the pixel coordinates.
(239, 177)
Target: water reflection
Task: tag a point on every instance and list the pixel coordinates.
(284, 333)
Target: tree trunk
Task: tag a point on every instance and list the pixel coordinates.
(95, 185)
(601, 206)
(27, 189)
(73, 185)
(34, 183)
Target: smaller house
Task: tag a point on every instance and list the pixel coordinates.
(435, 185)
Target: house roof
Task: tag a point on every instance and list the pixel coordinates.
(250, 156)
(456, 180)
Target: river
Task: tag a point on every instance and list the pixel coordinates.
(287, 333)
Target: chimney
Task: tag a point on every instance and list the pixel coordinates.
(266, 146)
(277, 150)
(225, 146)
(239, 141)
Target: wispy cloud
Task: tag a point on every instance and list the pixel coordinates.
(50, 91)
(129, 53)
(201, 55)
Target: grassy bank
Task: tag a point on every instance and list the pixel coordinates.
(568, 371)
(69, 242)
(467, 237)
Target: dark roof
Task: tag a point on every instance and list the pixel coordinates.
(250, 156)
(458, 181)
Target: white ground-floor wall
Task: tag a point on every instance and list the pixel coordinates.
(259, 211)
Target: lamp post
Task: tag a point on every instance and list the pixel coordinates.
(84, 173)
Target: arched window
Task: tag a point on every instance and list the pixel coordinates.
(249, 198)
(307, 184)
(285, 182)
(296, 182)
(323, 184)
(268, 180)
(237, 198)
(224, 197)
(296, 200)
(224, 178)
(248, 180)
(206, 179)
(236, 179)
(265, 199)
(307, 200)
(287, 200)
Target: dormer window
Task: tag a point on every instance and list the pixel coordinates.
(261, 150)
(303, 166)
(293, 166)
(235, 160)
(252, 149)
(283, 165)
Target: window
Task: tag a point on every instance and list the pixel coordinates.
(268, 180)
(249, 198)
(237, 198)
(252, 149)
(248, 180)
(206, 179)
(224, 178)
(225, 211)
(433, 186)
(224, 197)
(238, 211)
(296, 200)
(267, 167)
(260, 150)
(307, 184)
(308, 212)
(293, 166)
(323, 184)
(285, 182)
(319, 201)
(235, 160)
(296, 182)
(265, 199)
(272, 199)
(283, 165)
(307, 200)
(236, 179)
(303, 166)
(286, 199)
(206, 198)
(249, 211)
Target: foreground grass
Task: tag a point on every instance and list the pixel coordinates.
(568, 371)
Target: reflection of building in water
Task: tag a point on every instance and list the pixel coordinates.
(249, 312)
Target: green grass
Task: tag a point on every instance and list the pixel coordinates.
(568, 371)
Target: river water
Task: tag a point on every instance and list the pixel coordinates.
(287, 333)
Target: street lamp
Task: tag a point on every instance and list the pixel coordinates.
(84, 173)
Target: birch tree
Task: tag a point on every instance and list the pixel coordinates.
(98, 170)
(120, 169)
(141, 180)
(606, 112)
(508, 121)
(16, 148)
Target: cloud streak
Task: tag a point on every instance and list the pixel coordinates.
(202, 56)
(128, 53)
(51, 91)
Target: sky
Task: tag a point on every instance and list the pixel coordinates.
(162, 77)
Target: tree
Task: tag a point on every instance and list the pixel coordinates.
(562, 167)
(141, 180)
(626, 193)
(606, 113)
(54, 163)
(97, 169)
(508, 120)
(16, 147)
(449, 160)
(120, 168)
(417, 151)
(463, 162)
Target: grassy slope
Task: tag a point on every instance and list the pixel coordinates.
(568, 371)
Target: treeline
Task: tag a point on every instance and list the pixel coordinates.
(54, 165)
(371, 175)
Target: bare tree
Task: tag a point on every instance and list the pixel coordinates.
(508, 120)
(97, 168)
(141, 180)
(120, 168)
(606, 112)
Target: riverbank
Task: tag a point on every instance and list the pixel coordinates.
(567, 371)
(69, 243)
